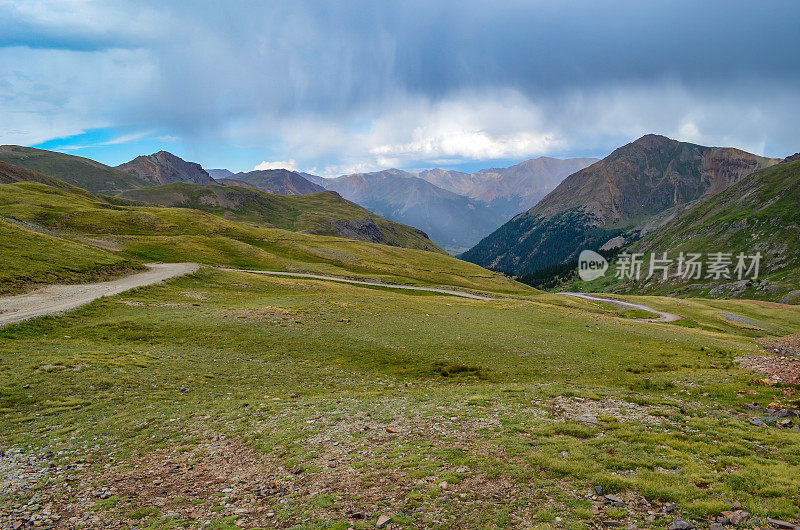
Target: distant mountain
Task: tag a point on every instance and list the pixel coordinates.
(164, 168)
(630, 192)
(324, 213)
(278, 181)
(234, 182)
(510, 190)
(451, 220)
(760, 213)
(217, 174)
(75, 170)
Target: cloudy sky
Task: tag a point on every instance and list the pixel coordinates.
(337, 87)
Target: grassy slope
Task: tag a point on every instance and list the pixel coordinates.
(30, 258)
(178, 234)
(760, 213)
(471, 403)
(305, 213)
(75, 170)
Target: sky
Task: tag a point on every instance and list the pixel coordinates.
(341, 87)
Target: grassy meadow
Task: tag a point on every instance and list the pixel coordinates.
(150, 234)
(439, 411)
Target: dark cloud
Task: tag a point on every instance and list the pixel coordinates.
(262, 71)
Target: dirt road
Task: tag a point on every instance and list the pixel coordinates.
(54, 299)
(663, 316)
(362, 282)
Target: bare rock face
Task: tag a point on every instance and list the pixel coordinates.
(165, 168)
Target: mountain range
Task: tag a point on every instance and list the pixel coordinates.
(631, 192)
(453, 221)
(509, 190)
(456, 209)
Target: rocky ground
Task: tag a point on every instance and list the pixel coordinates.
(789, 345)
(221, 478)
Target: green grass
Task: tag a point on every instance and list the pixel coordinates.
(255, 340)
(181, 235)
(324, 213)
(75, 170)
(30, 258)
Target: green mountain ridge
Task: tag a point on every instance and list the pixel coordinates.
(631, 191)
(76, 170)
(323, 213)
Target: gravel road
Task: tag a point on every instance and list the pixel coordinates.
(361, 282)
(662, 315)
(53, 299)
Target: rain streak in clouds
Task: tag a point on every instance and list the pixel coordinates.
(338, 87)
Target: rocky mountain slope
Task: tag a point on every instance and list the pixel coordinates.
(164, 167)
(451, 220)
(509, 190)
(322, 213)
(76, 170)
(635, 189)
(760, 213)
(278, 181)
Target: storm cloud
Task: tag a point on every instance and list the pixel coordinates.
(343, 86)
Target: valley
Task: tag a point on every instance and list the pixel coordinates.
(294, 360)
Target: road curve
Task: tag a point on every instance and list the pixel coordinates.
(663, 316)
(54, 299)
(363, 282)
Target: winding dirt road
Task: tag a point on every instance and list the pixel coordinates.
(362, 282)
(53, 299)
(663, 316)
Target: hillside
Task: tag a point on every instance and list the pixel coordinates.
(452, 221)
(633, 190)
(324, 213)
(75, 170)
(164, 168)
(22, 250)
(278, 181)
(761, 213)
(149, 233)
(10, 174)
(509, 190)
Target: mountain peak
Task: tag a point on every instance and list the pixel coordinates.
(649, 141)
(616, 196)
(279, 182)
(163, 168)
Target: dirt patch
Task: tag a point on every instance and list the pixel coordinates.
(588, 410)
(263, 314)
(777, 369)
